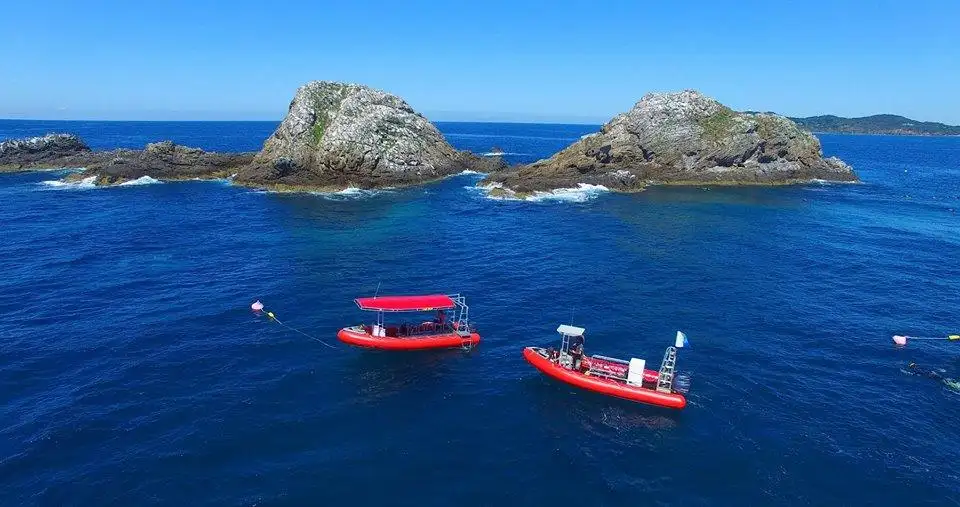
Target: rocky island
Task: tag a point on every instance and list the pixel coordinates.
(52, 151)
(679, 138)
(334, 136)
(164, 160)
(339, 135)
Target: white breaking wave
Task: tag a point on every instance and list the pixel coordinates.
(817, 181)
(143, 180)
(468, 172)
(499, 153)
(90, 182)
(349, 193)
(582, 193)
(84, 184)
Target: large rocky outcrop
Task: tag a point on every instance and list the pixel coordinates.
(47, 152)
(680, 138)
(337, 135)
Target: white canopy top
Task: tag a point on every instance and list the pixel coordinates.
(570, 330)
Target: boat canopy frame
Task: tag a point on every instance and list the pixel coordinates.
(566, 333)
(457, 303)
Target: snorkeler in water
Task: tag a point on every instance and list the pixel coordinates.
(949, 382)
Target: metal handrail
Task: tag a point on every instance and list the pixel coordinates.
(424, 330)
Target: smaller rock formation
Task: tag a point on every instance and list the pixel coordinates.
(681, 138)
(339, 135)
(164, 161)
(47, 152)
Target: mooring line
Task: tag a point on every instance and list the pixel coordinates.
(257, 306)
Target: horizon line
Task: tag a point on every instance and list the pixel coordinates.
(548, 120)
(516, 122)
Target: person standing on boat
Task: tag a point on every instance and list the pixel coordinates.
(576, 350)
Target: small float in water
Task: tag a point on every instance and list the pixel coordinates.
(629, 380)
(901, 340)
(449, 327)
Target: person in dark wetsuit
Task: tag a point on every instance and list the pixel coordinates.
(949, 382)
(576, 350)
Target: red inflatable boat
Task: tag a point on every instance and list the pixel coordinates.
(606, 375)
(440, 332)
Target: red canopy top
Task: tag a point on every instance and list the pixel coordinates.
(406, 303)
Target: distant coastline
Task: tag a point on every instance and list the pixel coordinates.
(879, 124)
(882, 124)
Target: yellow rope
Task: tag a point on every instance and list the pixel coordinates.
(275, 319)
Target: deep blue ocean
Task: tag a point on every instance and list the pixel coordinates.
(132, 371)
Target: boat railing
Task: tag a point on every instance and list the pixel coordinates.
(423, 329)
(461, 314)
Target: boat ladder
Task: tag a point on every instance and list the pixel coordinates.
(667, 370)
(466, 339)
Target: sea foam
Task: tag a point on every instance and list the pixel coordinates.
(581, 193)
(84, 184)
(500, 153)
(349, 193)
(143, 180)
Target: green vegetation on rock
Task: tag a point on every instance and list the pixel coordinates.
(719, 125)
(766, 125)
(319, 128)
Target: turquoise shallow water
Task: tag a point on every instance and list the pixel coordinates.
(134, 373)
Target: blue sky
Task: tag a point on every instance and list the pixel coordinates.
(452, 60)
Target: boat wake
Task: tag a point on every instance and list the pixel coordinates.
(502, 153)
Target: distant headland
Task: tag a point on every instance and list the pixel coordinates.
(341, 135)
(888, 124)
